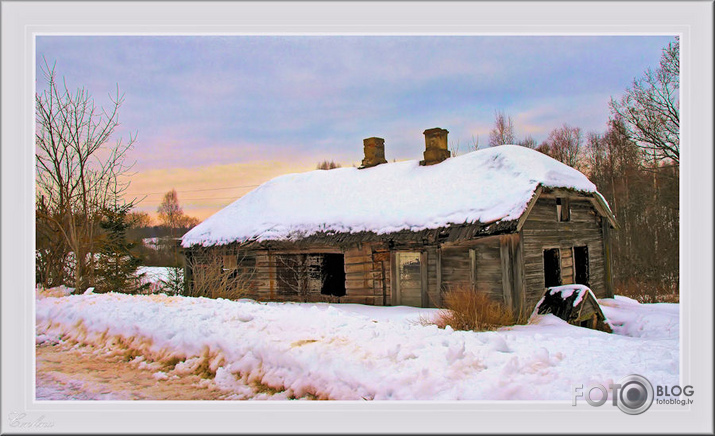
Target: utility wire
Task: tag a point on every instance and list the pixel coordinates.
(201, 190)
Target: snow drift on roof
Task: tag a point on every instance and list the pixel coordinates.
(485, 186)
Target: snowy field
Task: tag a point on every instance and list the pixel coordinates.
(251, 350)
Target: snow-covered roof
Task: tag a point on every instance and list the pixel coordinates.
(484, 186)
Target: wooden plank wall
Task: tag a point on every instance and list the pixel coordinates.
(542, 230)
(359, 277)
(364, 279)
(457, 267)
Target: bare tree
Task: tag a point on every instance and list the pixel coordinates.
(172, 217)
(78, 167)
(528, 142)
(564, 144)
(327, 165)
(503, 131)
(650, 109)
(454, 149)
(170, 212)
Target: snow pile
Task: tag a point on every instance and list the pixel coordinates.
(352, 352)
(650, 321)
(152, 243)
(154, 274)
(58, 291)
(485, 186)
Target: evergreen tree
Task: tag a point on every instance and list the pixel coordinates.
(118, 263)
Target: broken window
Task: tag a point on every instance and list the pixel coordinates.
(552, 267)
(563, 209)
(311, 274)
(580, 259)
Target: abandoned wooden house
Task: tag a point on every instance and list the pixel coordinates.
(506, 220)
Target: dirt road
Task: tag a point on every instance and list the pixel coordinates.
(67, 372)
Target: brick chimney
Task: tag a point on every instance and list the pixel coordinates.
(374, 152)
(435, 146)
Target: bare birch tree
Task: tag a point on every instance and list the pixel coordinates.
(503, 131)
(78, 167)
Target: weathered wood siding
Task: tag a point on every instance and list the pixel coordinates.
(381, 282)
(367, 272)
(542, 231)
(476, 262)
(359, 277)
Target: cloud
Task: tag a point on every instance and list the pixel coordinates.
(200, 101)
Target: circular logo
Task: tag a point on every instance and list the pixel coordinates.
(636, 394)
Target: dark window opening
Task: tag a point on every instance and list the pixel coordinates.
(580, 259)
(311, 274)
(563, 209)
(552, 268)
(333, 275)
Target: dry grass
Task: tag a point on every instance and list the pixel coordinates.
(466, 309)
(645, 292)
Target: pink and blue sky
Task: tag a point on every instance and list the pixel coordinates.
(217, 115)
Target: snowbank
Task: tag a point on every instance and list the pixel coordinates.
(353, 352)
(155, 274)
(489, 185)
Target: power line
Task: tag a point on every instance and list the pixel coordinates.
(201, 190)
(204, 198)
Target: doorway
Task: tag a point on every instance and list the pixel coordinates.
(408, 285)
(580, 261)
(552, 267)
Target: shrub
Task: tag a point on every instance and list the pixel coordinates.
(216, 274)
(647, 291)
(467, 309)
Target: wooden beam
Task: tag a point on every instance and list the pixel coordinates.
(506, 270)
(439, 276)
(607, 259)
(519, 302)
(525, 214)
(473, 268)
(424, 276)
(394, 285)
(271, 274)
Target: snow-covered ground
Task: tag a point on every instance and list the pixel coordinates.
(353, 352)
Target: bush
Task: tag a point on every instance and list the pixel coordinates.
(467, 309)
(647, 291)
(218, 275)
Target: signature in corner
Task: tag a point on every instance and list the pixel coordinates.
(21, 420)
